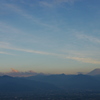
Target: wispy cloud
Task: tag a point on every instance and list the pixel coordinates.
(52, 3)
(43, 3)
(14, 70)
(23, 13)
(85, 60)
(5, 28)
(75, 53)
(82, 53)
(65, 1)
(20, 11)
(7, 46)
(8, 32)
(3, 44)
(89, 38)
(77, 58)
(12, 34)
(6, 53)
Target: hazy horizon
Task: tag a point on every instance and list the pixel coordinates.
(16, 73)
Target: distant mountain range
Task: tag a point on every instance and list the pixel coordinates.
(15, 84)
(51, 83)
(70, 82)
(95, 72)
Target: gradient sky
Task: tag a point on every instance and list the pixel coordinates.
(50, 36)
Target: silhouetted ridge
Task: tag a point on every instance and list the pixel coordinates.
(13, 84)
(95, 72)
(70, 82)
(6, 76)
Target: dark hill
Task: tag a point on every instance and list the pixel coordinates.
(12, 84)
(95, 72)
(70, 82)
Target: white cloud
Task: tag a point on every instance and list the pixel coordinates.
(46, 4)
(16, 73)
(67, 1)
(6, 53)
(4, 44)
(23, 13)
(75, 53)
(89, 38)
(52, 3)
(14, 70)
(85, 60)
(77, 58)
(8, 46)
(12, 34)
(5, 28)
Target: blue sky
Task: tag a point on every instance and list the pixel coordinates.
(50, 36)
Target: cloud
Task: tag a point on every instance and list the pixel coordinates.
(46, 4)
(14, 70)
(16, 73)
(5, 45)
(8, 29)
(89, 38)
(1, 52)
(12, 34)
(23, 13)
(27, 50)
(85, 60)
(65, 1)
(75, 53)
(52, 3)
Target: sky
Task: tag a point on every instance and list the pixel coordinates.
(49, 36)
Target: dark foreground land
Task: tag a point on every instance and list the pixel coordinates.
(52, 96)
(52, 87)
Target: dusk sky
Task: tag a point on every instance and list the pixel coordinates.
(49, 36)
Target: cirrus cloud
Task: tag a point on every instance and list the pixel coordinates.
(89, 38)
(85, 60)
(77, 58)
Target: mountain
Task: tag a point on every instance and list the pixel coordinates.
(70, 82)
(49, 84)
(13, 84)
(95, 72)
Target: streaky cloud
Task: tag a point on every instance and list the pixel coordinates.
(85, 59)
(65, 1)
(11, 33)
(23, 13)
(89, 38)
(6, 53)
(8, 46)
(53, 3)
(5, 28)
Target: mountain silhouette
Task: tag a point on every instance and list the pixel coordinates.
(70, 82)
(95, 72)
(14, 84)
(49, 83)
